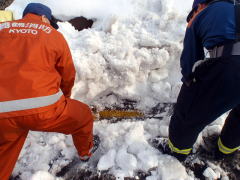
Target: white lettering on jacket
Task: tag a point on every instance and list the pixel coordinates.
(5, 25)
(26, 28)
(23, 31)
(45, 28)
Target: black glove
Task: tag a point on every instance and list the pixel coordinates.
(190, 82)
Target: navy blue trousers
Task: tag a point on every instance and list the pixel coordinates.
(216, 91)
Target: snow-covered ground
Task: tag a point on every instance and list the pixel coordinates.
(132, 52)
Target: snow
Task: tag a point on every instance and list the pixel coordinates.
(42, 175)
(132, 52)
(124, 149)
(210, 174)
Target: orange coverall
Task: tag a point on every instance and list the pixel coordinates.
(36, 78)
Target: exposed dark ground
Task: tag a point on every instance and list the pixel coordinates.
(82, 174)
(5, 3)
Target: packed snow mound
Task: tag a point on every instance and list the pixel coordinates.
(132, 52)
(99, 9)
(128, 58)
(123, 151)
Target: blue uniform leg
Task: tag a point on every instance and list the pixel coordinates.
(215, 92)
(231, 130)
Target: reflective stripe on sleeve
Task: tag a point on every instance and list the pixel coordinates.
(224, 149)
(29, 103)
(176, 150)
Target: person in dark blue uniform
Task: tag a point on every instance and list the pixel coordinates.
(213, 87)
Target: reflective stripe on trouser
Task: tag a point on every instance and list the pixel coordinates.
(179, 151)
(29, 103)
(224, 149)
(68, 116)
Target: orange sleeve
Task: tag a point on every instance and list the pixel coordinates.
(66, 69)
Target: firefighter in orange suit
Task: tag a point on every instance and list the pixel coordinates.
(36, 78)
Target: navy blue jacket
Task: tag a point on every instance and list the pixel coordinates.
(213, 26)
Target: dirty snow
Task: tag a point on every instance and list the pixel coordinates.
(132, 52)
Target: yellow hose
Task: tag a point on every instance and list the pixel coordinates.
(124, 114)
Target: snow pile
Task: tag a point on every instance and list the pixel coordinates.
(128, 152)
(100, 9)
(127, 58)
(123, 151)
(41, 175)
(41, 153)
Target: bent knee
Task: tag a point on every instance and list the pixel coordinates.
(79, 111)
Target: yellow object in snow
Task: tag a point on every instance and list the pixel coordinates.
(6, 16)
(106, 114)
